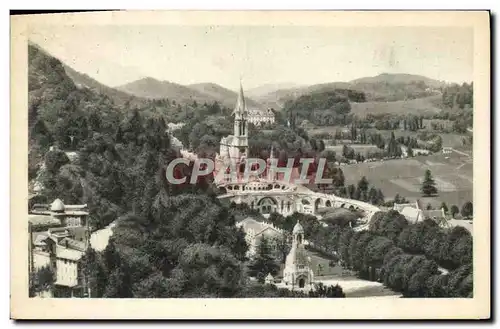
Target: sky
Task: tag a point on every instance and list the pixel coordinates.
(115, 55)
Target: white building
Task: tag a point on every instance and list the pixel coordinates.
(68, 215)
(259, 117)
(447, 150)
(254, 231)
(415, 212)
(298, 272)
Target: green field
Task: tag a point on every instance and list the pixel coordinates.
(449, 139)
(453, 177)
(419, 106)
(363, 149)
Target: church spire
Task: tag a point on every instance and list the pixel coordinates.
(240, 103)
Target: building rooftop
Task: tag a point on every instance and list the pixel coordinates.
(298, 229)
(57, 206)
(40, 220)
(411, 214)
(467, 224)
(250, 225)
(68, 254)
(39, 238)
(73, 244)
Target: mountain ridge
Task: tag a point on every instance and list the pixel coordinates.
(382, 87)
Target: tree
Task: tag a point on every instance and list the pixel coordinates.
(363, 186)
(409, 151)
(322, 291)
(373, 196)
(428, 185)
(444, 207)
(351, 189)
(54, 160)
(321, 145)
(263, 261)
(94, 273)
(454, 210)
(282, 246)
(467, 210)
(42, 280)
(111, 257)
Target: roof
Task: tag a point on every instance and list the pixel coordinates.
(39, 238)
(401, 206)
(251, 224)
(467, 224)
(69, 254)
(75, 206)
(57, 205)
(76, 213)
(36, 219)
(73, 244)
(257, 228)
(411, 214)
(298, 229)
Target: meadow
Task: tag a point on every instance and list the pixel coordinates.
(452, 174)
(449, 139)
(419, 106)
(358, 148)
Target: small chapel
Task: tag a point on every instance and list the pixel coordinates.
(298, 272)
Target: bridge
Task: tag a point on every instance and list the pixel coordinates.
(286, 198)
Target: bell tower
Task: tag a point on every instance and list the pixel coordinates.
(241, 124)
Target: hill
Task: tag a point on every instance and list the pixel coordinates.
(398, 78)
(155, 89)
(381, 88)
(419, 106)
(151, 88)
(84, 80)
(223, 95)
(270, 88)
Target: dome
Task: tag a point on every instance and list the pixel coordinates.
(298, 229)
(57, 206)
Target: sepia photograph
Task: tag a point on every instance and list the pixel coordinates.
(250, 159)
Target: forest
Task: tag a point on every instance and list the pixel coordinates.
(169, 240)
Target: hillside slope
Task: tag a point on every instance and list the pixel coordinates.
(269, 88)
(398, 78)
(381, 88)
(155, 89)
(419, 106)
(84, 80)
(222, 95)
(200, 93)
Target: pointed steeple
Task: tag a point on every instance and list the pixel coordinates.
(240, 103)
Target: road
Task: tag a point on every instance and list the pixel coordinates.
(460, 152)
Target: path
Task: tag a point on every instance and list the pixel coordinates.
(99, 239)
(460, 152)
